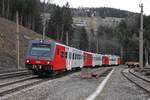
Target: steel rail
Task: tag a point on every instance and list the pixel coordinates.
(138, 85)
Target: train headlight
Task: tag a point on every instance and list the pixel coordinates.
(27, 61)
(48, 62)
(41, 41)
(40, 67)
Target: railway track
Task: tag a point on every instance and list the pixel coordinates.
(14, 74)
(30, 80)
(11, 70)
(17, 80)
(137, 80)
(18, 85)
(3, 84)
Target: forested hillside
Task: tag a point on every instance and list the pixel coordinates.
(102, 12)
(59, 26)
(8, 43)
(29, 12)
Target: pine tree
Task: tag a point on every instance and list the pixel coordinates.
(84, 43)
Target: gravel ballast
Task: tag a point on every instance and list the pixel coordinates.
(119, 88)
(71, 87)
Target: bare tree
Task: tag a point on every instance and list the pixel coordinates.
(3, 8)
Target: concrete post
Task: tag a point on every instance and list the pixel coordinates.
(141, 39)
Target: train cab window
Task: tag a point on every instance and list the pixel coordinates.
(62, 54)
(40, 49)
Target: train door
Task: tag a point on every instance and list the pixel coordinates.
(100, 60)
(114, 60)
(81, 59)
(94, 60)
(68, 60)
(110, 59)
(70, 57)
(74, 58)
(59, 61)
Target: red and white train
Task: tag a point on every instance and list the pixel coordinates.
(46, 56)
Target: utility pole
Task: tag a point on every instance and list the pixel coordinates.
(146, 58)
(44, 27)
(121, 53)
(141, 38)
(97, 45)
(44, 21)
(17, 28)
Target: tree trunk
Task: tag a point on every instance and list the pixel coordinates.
(97, 45)
(29, 22)
(33, 23)
(62, 33)
(121, 53)
(26, 21)
(21, 17)
(3, 8)
(57, 33)
(7, 15)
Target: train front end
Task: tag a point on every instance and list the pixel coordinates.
(39, 55)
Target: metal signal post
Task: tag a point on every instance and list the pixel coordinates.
(141, 38)
(17, 28)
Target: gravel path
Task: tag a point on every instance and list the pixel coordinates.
(119, 88)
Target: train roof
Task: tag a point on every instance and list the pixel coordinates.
(53, 41)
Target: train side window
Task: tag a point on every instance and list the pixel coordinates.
(66, 54)
(73, 56)
(79, 56)
(69, 55)
(76, 56)
(62, 54)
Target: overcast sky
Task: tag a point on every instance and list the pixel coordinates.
(130, 5)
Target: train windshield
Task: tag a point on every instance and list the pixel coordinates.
(40, 49)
